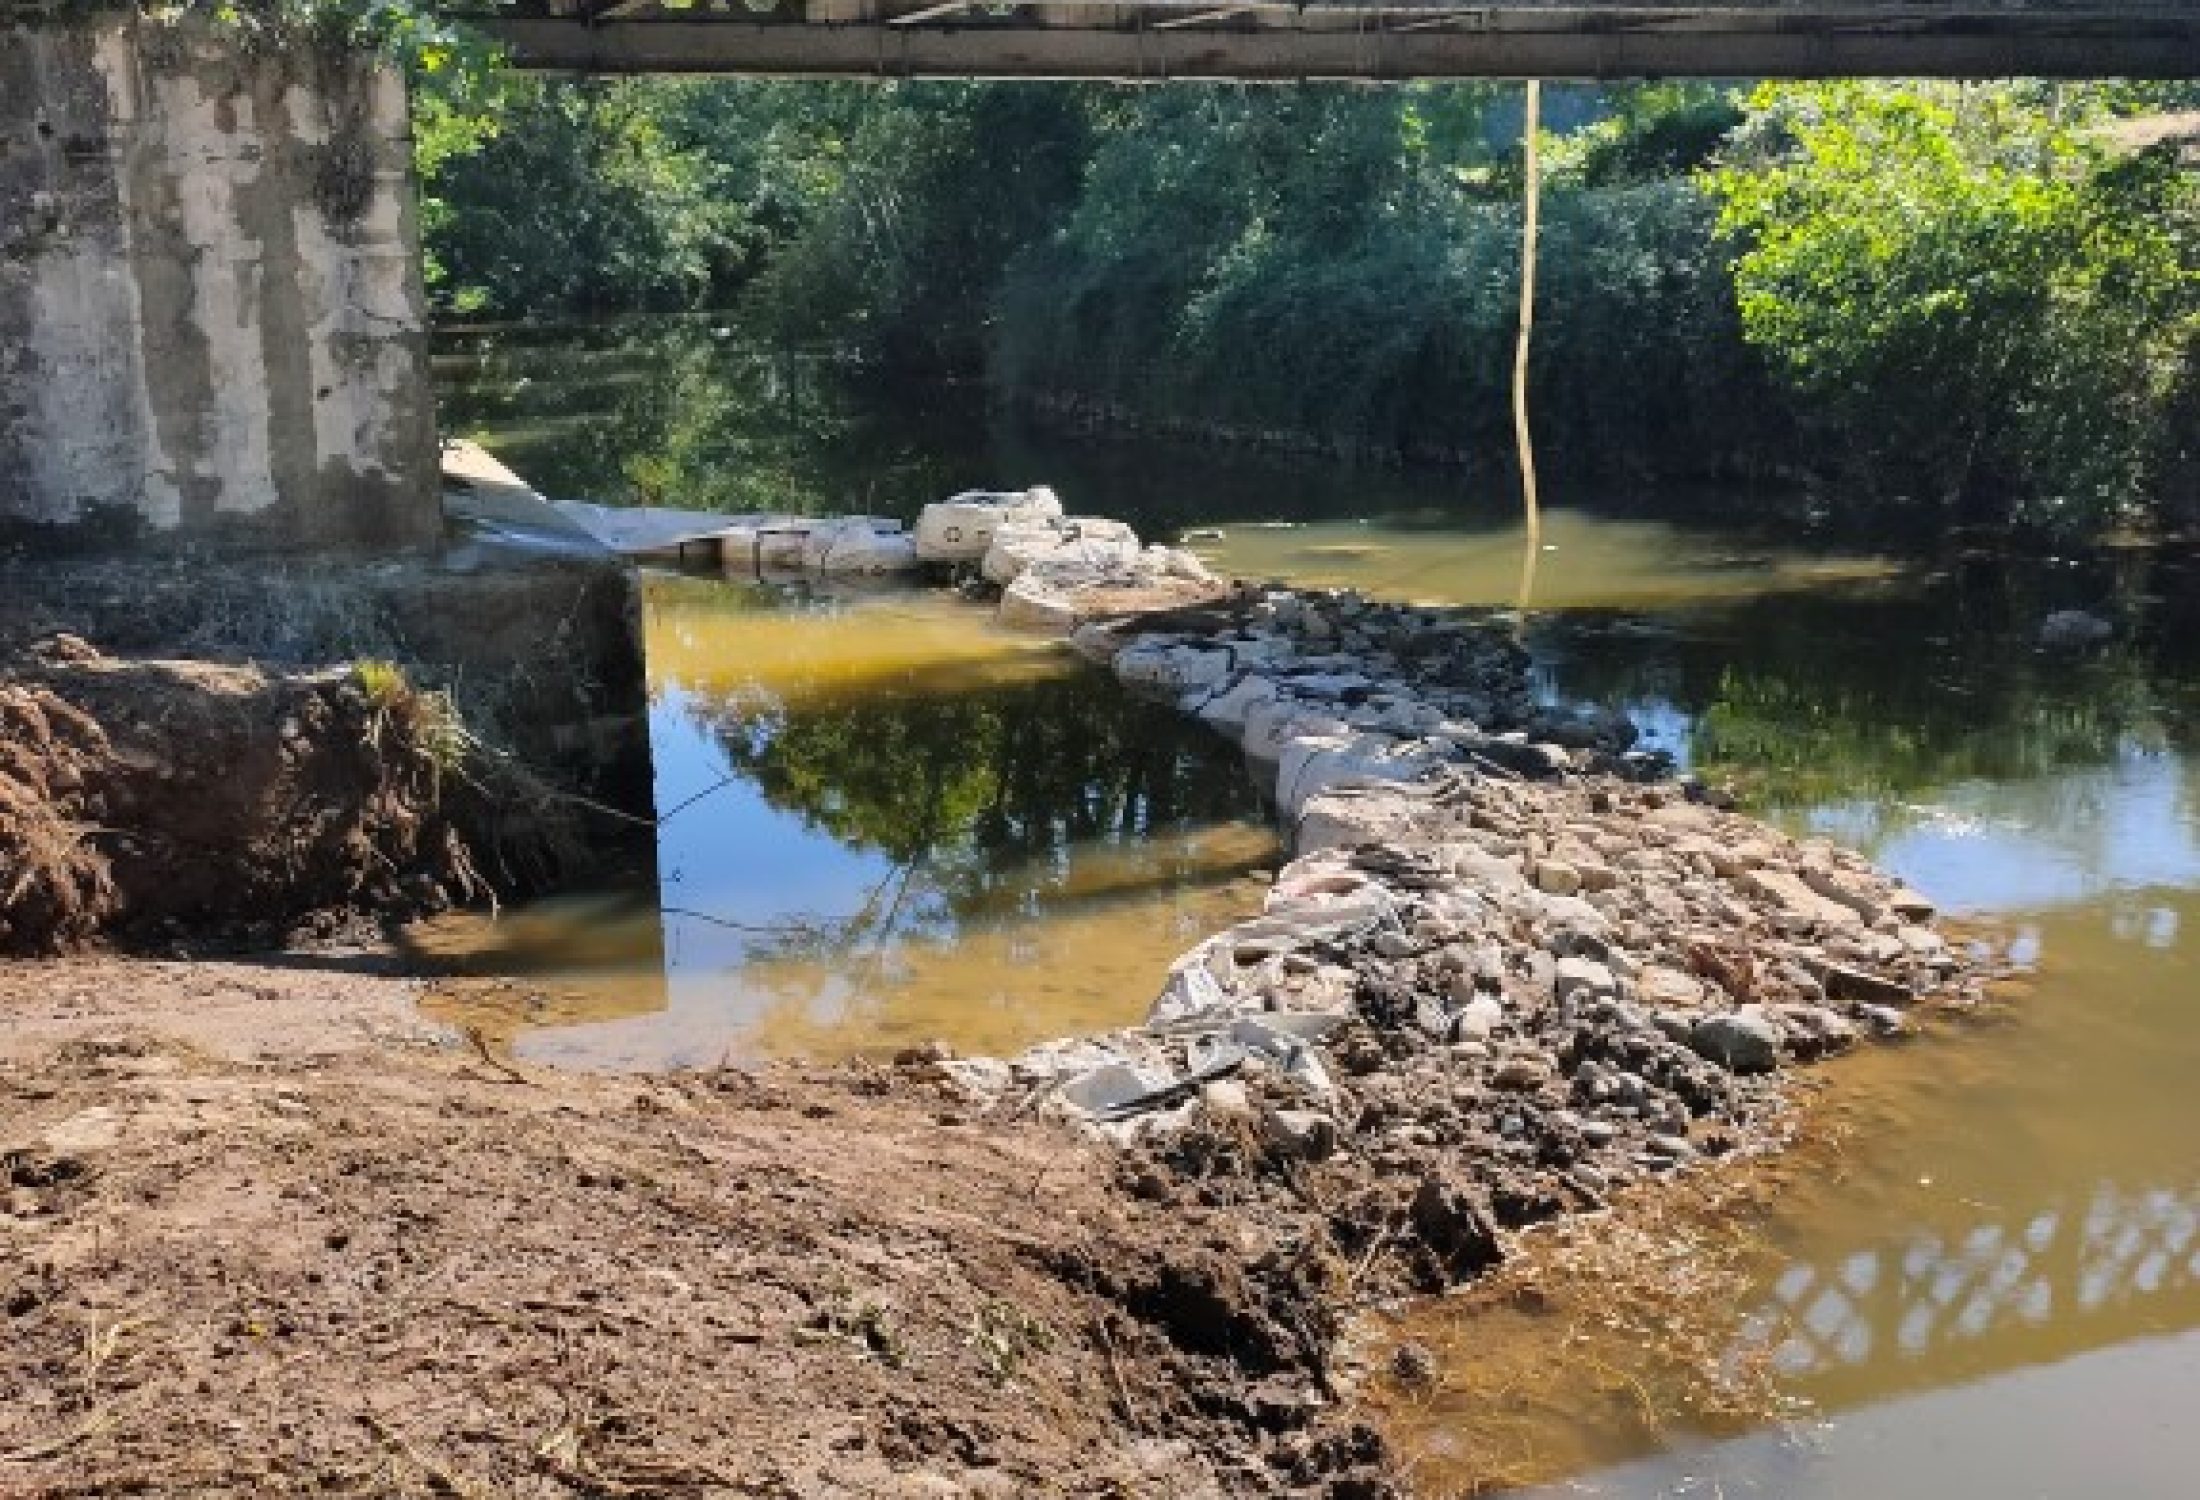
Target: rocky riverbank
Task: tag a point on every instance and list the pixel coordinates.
(1514, 968)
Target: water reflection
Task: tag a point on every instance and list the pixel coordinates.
(693, 413)
(2132, 822)
(1861, 696)
(2111, 1422)
(2095, 1258)
(884, 821)
(679, 412)
(1470, 553)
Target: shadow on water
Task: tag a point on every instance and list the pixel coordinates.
(678, 412)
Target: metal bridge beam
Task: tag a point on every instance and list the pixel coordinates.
(1857, 44)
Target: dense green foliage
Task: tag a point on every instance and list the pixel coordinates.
(1972, 287)
(571, 197)
(1339, 266)
(1757, 285)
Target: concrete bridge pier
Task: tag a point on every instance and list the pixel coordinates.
(213, 334)
(217, 427)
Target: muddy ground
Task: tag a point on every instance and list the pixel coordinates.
(265, 1231)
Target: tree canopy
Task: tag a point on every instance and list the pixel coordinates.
(1969, 283)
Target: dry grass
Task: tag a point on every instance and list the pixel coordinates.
(55, 887)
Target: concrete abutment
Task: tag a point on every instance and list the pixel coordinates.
(217, 423)
(213, 332)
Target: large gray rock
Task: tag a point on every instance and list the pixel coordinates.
(1088, 543)
(1741, 1041)
(1787, 891)
(961, 530)
(1813, 1031)
(1477, 1019)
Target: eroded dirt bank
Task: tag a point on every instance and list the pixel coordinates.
(164, 799)
(217, 753)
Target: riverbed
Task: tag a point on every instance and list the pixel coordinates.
(890, 822)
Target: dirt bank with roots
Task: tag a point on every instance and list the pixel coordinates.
(152, 800)
(167, 704)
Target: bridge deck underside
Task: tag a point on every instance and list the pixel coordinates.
(1268, 40)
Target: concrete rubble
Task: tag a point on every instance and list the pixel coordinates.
(960, 530)
(1053, 571)
(758, 545)
(1507, 937)
(1508, 941)
(1057, 571)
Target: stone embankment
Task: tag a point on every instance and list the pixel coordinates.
(1514, 966)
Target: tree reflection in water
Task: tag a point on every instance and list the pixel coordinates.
(1881, 692)
(991, 804)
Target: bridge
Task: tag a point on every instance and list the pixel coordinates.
(211, 312)
(1280, 41)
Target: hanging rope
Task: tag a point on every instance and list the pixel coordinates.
(1532, 194)
(1532, 203)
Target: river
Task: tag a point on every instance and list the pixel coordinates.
(894, 822)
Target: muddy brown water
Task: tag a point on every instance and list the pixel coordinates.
(1990, 1289)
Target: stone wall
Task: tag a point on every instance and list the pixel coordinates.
(212, 326)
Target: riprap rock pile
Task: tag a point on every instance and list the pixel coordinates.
(1513, 966)
(1056, 571)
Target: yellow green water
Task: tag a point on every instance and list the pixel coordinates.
(885, 821)
(1583, 561)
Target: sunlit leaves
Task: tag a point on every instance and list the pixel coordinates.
(1992, 305)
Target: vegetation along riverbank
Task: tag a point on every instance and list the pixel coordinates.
(1407, 953)
(1735, 282)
